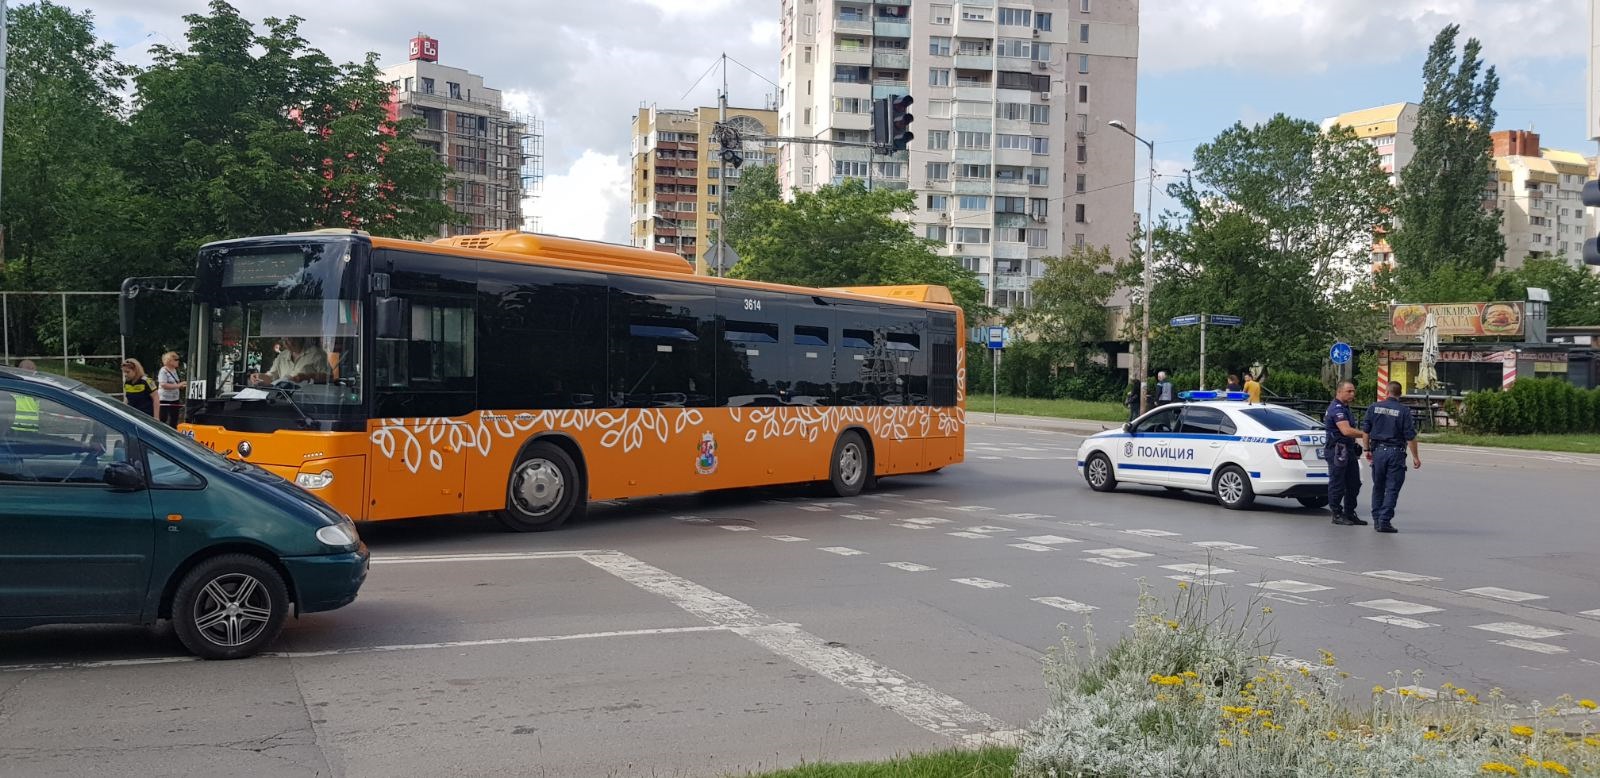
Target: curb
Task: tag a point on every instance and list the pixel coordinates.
(1074, 426)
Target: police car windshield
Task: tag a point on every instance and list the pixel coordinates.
(1281, 419)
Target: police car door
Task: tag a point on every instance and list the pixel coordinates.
(1208, 432)
(1153, 453)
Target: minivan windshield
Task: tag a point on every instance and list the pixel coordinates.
(1281, 419)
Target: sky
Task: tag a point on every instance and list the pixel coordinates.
(1204, 64)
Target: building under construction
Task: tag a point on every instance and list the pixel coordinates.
(495, 156)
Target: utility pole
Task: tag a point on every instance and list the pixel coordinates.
(1202, 350)
(722, 174)
(4, 49)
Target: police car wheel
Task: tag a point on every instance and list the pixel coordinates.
(1320, 501)
(1231, 485)
(1099, 473)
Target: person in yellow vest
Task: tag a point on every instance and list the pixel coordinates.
(138, 391)
(25, 417)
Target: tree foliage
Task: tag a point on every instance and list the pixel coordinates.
(1068, 316)
(840, 235)
(1442, 224)
(1276, 227)
(1574, 291)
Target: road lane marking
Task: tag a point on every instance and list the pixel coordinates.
(916, 702)
(984, 528)
(1117, 553)
(929, 520)
(1401, 576)
(905, 525)
(1529, 645)
(981, 583)
(1151, 533)
(860, 517)
(910, 567)
(1197, 580)
(1050, 540)
(1291, 586)
(1199, 570)
(1109, 562)
(787, 538)
(508, 556)
(971, 535)
(1288, 598)
(1302, 559)
(1223, 545)
(737, 528)
(842, 550)
(813, 508)
(1400, 621)
(971, 508)
(1030, 547)
(1504, 595)
(1071, 606)
(1400, 607)
(1594, 614)
(1517, 630)
(1027, 516)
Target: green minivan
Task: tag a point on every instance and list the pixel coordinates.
(108, 516)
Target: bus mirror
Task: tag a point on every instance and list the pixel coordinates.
(393, 313)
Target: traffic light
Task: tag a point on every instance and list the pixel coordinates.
(1591, 199)
(880, 122)
(900, 122)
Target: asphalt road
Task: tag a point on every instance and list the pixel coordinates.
(715, 634)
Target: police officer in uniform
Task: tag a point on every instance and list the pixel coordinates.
(1390, 430)
(1344, 456)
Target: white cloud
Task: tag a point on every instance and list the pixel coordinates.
(1312, 36)
(588, 201)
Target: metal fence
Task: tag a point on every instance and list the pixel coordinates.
(73, 335)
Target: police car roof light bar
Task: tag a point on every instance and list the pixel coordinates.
(1210, 395)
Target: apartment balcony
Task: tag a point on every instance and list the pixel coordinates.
(971, 124)
(1017, 157)
(974, 156)
(852, 154)
(851, 121)
(1007, 282)
(975, 92)
(975, 28)
(852, 25)
(853, 55)
(1016, 187)
(891, 29)
(973, 186)
(897, 60)
(1008, 219)
(856, 89)
(975, 61)
(665, 232)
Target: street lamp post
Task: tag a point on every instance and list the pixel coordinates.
(1149, 261)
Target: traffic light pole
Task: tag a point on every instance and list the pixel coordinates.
(722, 175)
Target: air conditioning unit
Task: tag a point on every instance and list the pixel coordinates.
(1041, 65)
(957, 247)
(1045, 96)
(1035, 33)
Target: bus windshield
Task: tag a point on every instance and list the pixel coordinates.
(280, 333)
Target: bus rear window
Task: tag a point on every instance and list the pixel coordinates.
(1281, 419)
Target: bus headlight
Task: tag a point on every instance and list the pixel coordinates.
(341, 535)
(314, 480)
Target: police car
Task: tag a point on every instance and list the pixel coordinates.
(1215, 442)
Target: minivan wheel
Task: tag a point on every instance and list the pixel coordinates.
(1097, 471)
(229, 607)
(851, 466)
(1232, 488)
(544, 490)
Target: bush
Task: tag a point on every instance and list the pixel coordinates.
(1196, 691)
(1533, 406)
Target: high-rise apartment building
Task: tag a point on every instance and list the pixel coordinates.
(1012, 159)
(1540, 192)
(678, 175)
(496, 158)
(1391, 130)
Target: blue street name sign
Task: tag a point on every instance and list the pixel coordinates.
(1186, 321)
(1340, 353)
(997, 337)
(1221, 320)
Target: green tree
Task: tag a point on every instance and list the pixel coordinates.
(839, 235)
(1574, 291)
(1277, 227)
(241, 133)
(1068, 315)
(1441, 221)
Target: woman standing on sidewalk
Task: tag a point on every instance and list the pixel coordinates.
(172, 386)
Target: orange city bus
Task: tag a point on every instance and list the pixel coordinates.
(528, 375)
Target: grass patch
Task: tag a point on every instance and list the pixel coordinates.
(1576, 443)
(1059, 409)
(995, 762)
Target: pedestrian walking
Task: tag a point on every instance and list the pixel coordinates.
(138, 391)
(171, 385)
(1163, 388)
(1390, 431)
(1252, 387)
(1135, 394)
(1343, 453)
(1233, 383)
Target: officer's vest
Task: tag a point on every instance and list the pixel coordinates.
(26, 416)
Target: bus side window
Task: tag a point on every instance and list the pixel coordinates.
(942, 360)
(432, 371)
(662, 347)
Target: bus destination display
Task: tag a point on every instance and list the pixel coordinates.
(262, 269)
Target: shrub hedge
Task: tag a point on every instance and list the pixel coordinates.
(1533, 406)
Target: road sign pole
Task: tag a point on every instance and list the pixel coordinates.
(1202, 351)
(994, 377)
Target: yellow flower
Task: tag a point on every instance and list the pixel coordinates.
(1183, 585)
(1499, 767)
(1163, 698)
(1590, 704)
(1224, 742)
(1266, 609)
(1405, 692)
(1166, 680)
(1556, 767)
(1377, 690)
(1305, 672)
(1521, 730)
(1172, 625)
(1327, 658)
(1237, 710)
(1430, 736)
(1592, 741)
(1190, 674)
(1332, 735)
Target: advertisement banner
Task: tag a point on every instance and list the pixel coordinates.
(1473, 320)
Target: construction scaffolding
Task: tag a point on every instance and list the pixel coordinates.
(485, 148)
(532, 169)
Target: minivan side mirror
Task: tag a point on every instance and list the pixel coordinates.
(392, 318)
(124, 477)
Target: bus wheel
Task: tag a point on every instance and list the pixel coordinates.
(544, 490)
(851, 465)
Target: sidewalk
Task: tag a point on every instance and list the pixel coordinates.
(1041, 423)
